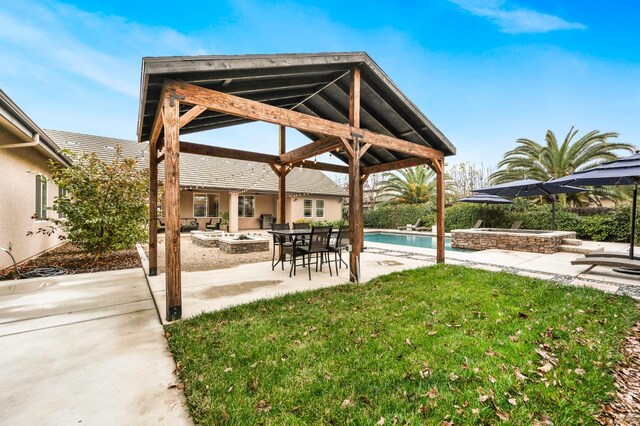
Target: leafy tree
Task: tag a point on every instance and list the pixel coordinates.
(532, 160)
(412, 185)
(103, 206)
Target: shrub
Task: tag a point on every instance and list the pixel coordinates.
(105, 206)
(397, 215)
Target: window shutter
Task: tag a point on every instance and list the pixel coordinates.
(38, 196)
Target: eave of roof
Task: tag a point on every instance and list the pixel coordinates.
(315, 84)
(29, 130)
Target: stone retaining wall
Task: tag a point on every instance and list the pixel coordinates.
(243, 246)
(204, 241)
(519, 241)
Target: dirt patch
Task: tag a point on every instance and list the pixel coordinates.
(76, 261)
(234, 289)
(625, 410)
(197, 258)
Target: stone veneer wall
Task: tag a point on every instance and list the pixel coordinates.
(243, 246)
(483, 240)
(204, 241)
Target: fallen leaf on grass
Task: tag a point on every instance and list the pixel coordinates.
(475, 411)
(512, 401)
(545, 368)
(453, 377)
(483, 398)
(346, 403)
(502, 415)
(490, 352)
(380, 422)
(579, 371)
(432, 333)
(263, 406)
(520, 376)
(432, 393)
(492, 379)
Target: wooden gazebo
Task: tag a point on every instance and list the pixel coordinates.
(343, 102)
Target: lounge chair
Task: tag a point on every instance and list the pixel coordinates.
(415, 227)
(161, 226)
(213, 224)
(607, 260)
(187, 225)
(478, 224)
(516, 224)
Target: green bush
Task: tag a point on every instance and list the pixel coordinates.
(462, 216)
(397, 215)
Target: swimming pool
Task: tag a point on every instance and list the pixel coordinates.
(424, 241)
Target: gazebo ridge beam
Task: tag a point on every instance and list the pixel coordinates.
(252, 110)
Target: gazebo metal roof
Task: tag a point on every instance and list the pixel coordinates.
(314, 84)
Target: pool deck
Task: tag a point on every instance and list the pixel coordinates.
(556, 266)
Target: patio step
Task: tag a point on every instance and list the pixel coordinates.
(571, 242)
(568, 248)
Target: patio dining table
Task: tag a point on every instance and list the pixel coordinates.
(295, 235)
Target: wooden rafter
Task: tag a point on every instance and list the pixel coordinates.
(312, 149)
(245, 108)
(396, 165)
(191, 114)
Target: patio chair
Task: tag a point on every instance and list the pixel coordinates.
(161, 227)
(516, 224)
(287, 246)
(318, 246)
(338, 245)
(413, 227)
(478, 224)
(213, 226)
(190, 224)
(301, 225)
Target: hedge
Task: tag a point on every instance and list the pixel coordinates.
(610, 225)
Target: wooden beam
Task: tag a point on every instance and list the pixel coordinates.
(235, 154)
(356, 234)
(191, 114)
(346, 144)
(275, 168)
(153, 210)
(440, 188)
(282, 178)
(252, 110)
(354, 97)
(316, 147)
(325, 167)
(160, 159)
(396, 165)
(172, 209)
(158, 122)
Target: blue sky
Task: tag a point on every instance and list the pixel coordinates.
(486, 72)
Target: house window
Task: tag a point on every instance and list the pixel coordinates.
(307, 208)
(41, 197)
(319, 208)
(206, 205)
(246, 205)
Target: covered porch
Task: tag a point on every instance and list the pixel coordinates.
(342, 101)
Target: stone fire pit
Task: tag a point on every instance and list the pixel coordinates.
(244, 244)
(209, 238)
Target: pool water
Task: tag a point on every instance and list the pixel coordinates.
(424, 241)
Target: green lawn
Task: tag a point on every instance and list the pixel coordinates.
(428, 346)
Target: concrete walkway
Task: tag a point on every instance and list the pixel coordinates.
(85, 349)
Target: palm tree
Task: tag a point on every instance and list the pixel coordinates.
(413, 185)
(531, 160)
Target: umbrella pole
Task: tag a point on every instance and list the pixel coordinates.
(553, 212)
(633, 220)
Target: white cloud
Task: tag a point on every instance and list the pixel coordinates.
(104, 49)
(514, 19)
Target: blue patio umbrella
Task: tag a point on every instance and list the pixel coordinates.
(485, 199)
(624, 171)
(531, 188)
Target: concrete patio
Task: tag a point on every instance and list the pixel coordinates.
(85, 349)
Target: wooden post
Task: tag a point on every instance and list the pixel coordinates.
(282, 179)
(355, 189)
(440, 188)
(153, 209)
(171, 116)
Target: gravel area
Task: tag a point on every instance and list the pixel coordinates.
(197, 258)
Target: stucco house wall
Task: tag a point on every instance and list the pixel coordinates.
(265, 204)
(18, 201)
